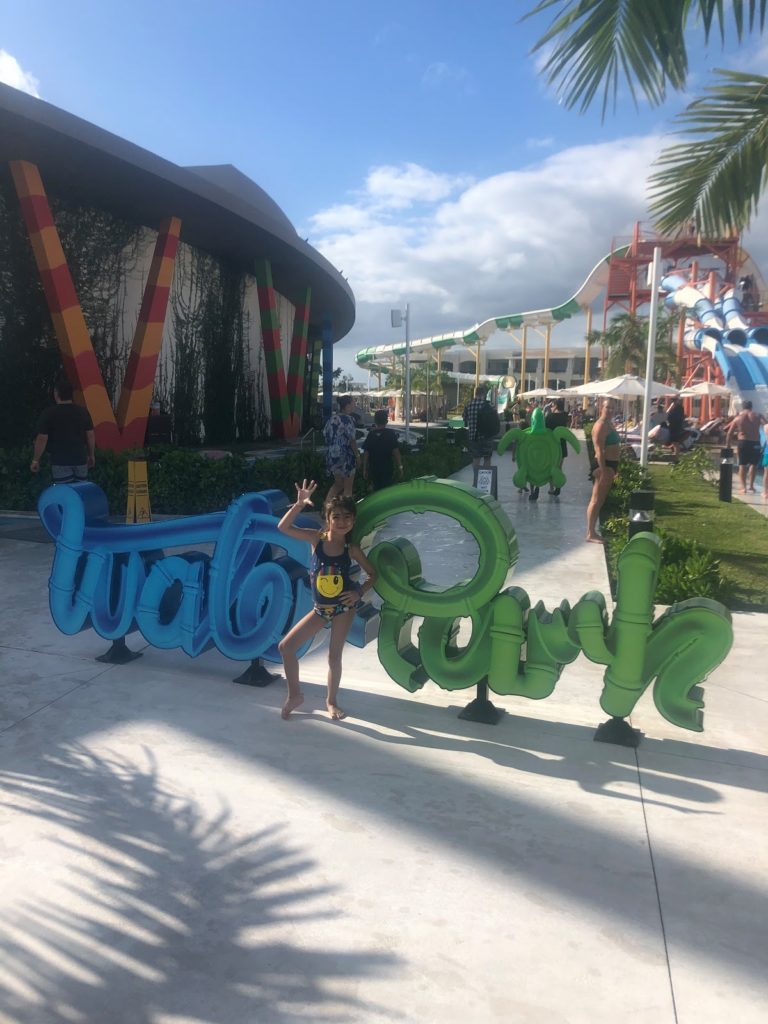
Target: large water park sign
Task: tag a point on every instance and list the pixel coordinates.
(246, 595)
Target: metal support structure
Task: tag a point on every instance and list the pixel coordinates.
(397, 316)
(119, 653)
(481, 709)
(651, 353)
(618, 731)
(523, 361)
(587, 345)
(547, 344)
(256, 675)
(327, 339)
(407, 369)
(427, 430)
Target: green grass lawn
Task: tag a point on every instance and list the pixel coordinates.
(735, 533)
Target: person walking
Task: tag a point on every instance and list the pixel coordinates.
(341, 452)
(557, 417)
(381, 453)
(676, 423)
(65, 431)
(607, 447)
(478, 415)
(747, 428)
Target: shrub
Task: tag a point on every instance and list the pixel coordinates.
(688, 570)
(184, 482)
(695, 465)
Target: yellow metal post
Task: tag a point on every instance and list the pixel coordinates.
(586, 345)
(585, 401)
(138, 510)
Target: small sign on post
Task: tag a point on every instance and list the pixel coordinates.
(485, 480)
(138, 510)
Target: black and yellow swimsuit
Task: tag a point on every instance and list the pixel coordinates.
(330, 576)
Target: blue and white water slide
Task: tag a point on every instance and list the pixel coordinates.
(719, 328)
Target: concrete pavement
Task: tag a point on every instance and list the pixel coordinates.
(174, 853)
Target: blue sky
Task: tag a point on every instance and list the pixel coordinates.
(413, 143)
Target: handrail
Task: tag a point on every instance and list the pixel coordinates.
(311, 435)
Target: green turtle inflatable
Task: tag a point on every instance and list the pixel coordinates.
(539, 454)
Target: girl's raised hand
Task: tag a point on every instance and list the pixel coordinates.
(305, 491)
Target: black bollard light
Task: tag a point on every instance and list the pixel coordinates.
(725, 484)
(640, 512)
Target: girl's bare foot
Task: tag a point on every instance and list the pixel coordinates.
(291, 703)
(336, 712)
(593, 538)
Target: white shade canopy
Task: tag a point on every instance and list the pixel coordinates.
(625, 386)
(542, 393)
(706, 389)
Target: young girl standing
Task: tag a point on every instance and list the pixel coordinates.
(335, 596)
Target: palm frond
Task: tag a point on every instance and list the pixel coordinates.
(716, 179)
(598, 45)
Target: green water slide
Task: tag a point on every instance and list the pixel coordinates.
(379, 357)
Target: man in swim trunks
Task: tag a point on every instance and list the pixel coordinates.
(607, 450)
(747, 427)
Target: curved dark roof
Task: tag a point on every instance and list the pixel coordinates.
(221, 210)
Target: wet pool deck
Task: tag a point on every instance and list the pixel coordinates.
(174, 853)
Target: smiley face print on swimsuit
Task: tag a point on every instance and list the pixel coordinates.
(329, 582)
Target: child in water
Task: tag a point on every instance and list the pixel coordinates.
(334, 594)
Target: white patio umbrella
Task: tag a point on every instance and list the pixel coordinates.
(706, 389)
(541, 393)
(625, 386)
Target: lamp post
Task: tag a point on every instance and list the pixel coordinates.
(398, 317)
(655, 276)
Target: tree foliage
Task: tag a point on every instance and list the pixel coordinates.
(716, 176)
(626, 342)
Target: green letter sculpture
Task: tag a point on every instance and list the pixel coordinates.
(678, 650)
(539, 456)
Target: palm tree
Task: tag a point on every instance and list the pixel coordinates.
(626, 341)
(715, 178)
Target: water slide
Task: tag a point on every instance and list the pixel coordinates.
(380, 357)
(741, 351)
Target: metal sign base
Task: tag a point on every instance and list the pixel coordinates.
(481, 709)
(618, 731)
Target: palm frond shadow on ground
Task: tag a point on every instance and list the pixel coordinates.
(167, 914)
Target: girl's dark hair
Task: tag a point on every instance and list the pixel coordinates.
(340, 503)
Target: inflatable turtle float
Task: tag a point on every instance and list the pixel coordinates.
(539, 454)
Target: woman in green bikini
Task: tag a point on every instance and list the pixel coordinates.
(607, 449)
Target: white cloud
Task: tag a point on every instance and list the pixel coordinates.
(539, 142)
(399, 187)
(751, 59)
(520, 240)
(344, 217)
(12, 73)
(440, 74)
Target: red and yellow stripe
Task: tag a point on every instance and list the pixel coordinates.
(77, 353)
(78, 356)
(297, 365)
(273, 354)
(136, 392)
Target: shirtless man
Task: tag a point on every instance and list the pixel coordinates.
(747, 425)
(607, 450)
